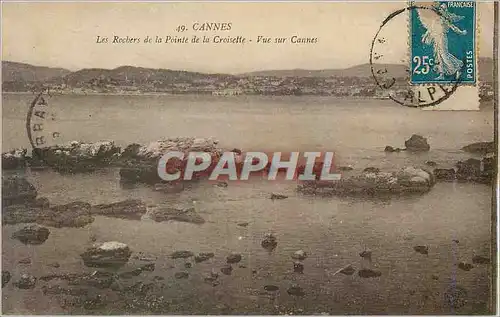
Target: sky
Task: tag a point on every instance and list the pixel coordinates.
(64, 34)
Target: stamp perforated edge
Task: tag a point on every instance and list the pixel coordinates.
(477, 32)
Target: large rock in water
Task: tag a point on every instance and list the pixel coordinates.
(77, 157)
(76, 214)
(25, 213)
(446, 174)
(475, 170)
(190, 215)
(32, 234)
(140, 162)
(480, 147)
(107, 254)
(14, 159)
(17, 190)
(417, 143)
(128, 209)
(406, 181)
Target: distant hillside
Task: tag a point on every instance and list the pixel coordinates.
(485, 70)
(19, 77)
(20, 72)
(134, 76)
(363, 70)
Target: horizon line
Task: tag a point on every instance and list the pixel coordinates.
(218, 73)
(207, 73)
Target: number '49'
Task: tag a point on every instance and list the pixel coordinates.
(422, 64)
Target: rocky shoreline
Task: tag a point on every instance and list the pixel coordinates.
(125, 280)
(138, 163)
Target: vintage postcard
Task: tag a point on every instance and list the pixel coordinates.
(237, 158)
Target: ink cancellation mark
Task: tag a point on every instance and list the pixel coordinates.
(442, 43)
(39, 122)
(397, 87)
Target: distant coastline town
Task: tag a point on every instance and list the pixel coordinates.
(352, 82)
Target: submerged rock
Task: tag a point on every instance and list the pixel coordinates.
(14, 159)
(478, 259)
(233, 258)
(25, 261)
(106, 254)
(32, 234)
(345, 168)
(226, 269)
(130, 274)
(465, 266)
(176, 214)
(422, 249)
(212, 276)
(136, 272)
(25, 282)
(148, 267)
(431, 163)
(204, 256)
(140, 172)
(278, 196)
(6, 276)
(417, 143)
(17, 190)
(298, 267)
(348, 270)
(299, 255)
(94, 301)
(132, 209)
(366, 254)
(181, 275)
(181, 254)
(296, 290)
(74, 215)
(271, 288)
(270, 242)
(391, 149)
(222, 184)
(368, 273)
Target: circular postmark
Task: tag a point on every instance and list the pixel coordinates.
(395, 85)
(40, 123)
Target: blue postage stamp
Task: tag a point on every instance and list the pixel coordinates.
(443, 42)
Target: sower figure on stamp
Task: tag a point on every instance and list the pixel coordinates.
(437, 25)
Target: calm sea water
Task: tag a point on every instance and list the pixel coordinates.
(331, 230)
